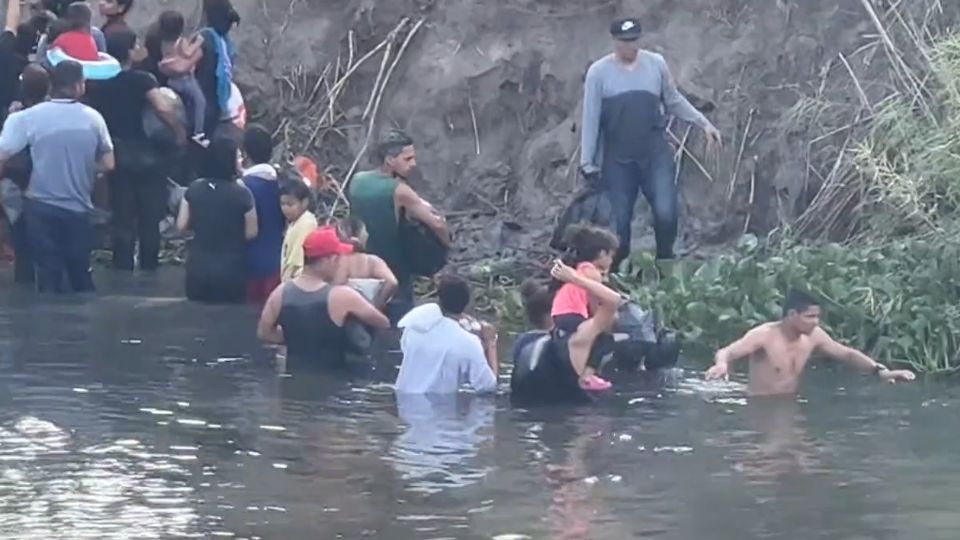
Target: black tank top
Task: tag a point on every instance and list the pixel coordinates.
(310, 334)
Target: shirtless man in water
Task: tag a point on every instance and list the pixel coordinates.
(779, 351)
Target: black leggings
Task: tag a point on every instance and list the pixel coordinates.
(568, 324)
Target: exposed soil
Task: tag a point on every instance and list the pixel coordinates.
(491, 89)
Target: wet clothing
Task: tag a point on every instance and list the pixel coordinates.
(372, 201)
(122, 100)
(60, 241)
(542, 372)
(265, 251)
(439, 356)
(297, 232)
(311, 335)
(12, 64)
(572, 299)
(78, 45)
(138, 186)
(623, 130)
(259, 290)
(216, 256)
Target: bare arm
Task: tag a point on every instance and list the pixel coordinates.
(837, 351)
(381, 271)
(350, 302)
(13, 138)
(418, 210)
(183, 216)
(192, 49)
(13, 16)
(744, 347)
(166, 113)
(106, 163)
(250, 225)
(269, 327)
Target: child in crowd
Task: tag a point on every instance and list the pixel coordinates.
(264, 251)
(77, 39)
(537, 303)
(295, 201)
(354, 230)
(593, 252)
(179, 64)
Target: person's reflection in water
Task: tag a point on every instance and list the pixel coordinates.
(443, 434)
(783, 448)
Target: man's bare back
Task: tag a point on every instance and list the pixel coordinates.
(779, 353)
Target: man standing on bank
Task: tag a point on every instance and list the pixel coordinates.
(627, 97)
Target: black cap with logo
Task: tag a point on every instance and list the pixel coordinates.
(627, 29)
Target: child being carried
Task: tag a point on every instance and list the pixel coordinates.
(180, 59)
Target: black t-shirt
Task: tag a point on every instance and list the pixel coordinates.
(11, 66)
(217, 212)
(122, 100)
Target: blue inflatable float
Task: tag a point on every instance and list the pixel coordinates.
(106, 67)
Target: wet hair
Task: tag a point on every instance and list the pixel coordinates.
(296, 189)
(453, 293)
(798, 301)
(392, 143)
(537, 301)
(34, 85)
(64, 77)
(171, 25)
(219, 161)
(587, 242)
(220, 15)
(258, 144)
(120, 43)
(79, 16)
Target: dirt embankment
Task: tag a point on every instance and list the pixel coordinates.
(491, 89)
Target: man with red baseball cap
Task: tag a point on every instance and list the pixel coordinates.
(309, 315)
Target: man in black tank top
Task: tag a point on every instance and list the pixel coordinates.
(309, 315)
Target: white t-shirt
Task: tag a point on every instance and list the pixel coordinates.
(439, 356)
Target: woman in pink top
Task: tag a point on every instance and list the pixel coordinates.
(593, 252)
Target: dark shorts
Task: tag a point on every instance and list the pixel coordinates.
(543, 374)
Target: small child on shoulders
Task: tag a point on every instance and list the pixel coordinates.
(179, 64)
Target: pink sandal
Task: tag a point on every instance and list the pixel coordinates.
(594, 383)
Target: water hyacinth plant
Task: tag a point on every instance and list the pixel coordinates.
(895, 301)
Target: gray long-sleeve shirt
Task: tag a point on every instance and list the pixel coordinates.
(624, 106)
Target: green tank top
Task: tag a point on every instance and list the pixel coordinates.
(372, 201)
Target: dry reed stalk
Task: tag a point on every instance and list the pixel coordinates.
(473, 118)
(743, 147)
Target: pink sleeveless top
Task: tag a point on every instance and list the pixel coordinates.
(571, 299)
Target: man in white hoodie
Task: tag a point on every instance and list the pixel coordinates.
(439, 354)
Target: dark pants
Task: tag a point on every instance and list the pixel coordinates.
(624, 180)
(215, 278)
(402, 301)
(138, 200)
(24, 272)
(60, 241)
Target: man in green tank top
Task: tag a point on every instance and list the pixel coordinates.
(379, 197)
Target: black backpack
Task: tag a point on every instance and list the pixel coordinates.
(646, 343)
(589, 206)
(425, 255)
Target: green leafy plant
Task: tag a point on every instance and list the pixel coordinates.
(895, 301)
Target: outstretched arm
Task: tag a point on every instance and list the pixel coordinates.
(856, 359)
(744, 347)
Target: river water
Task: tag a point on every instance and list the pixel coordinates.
(139, 415)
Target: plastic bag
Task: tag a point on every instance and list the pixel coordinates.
(640, 340)
(589, 206)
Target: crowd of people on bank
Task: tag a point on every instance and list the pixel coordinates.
(326, 289)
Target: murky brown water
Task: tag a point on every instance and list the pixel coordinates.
(131, 417)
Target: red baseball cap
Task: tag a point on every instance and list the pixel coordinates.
(324, 242)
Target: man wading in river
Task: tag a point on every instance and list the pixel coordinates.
(779, 351)
(624, 149)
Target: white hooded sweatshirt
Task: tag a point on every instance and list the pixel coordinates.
(439, 355)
